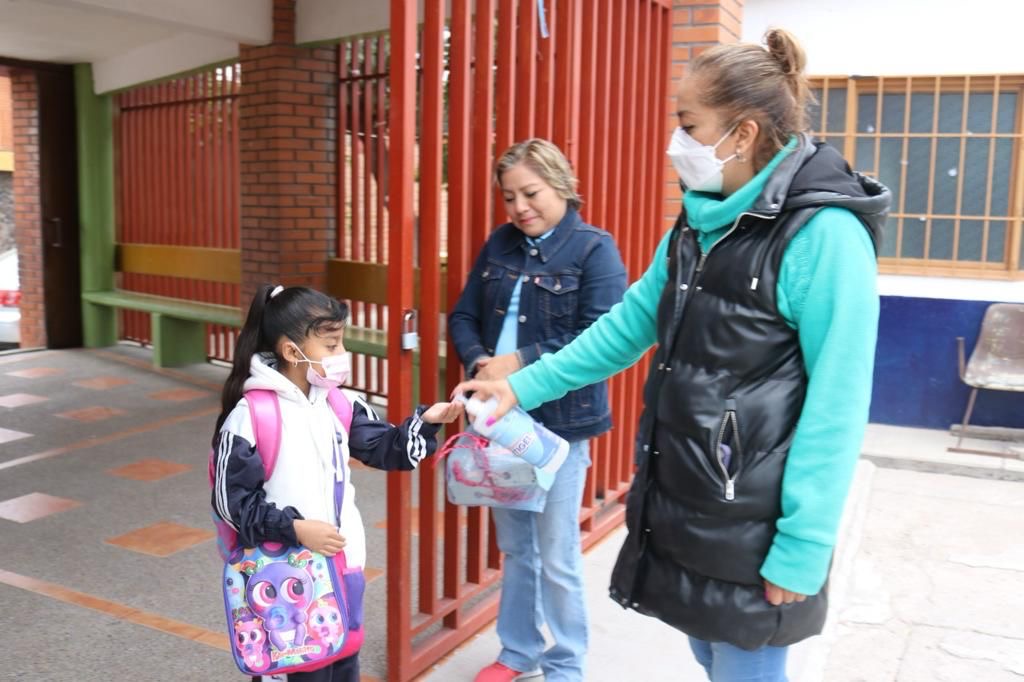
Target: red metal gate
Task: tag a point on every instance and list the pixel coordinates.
(591, 75)
(178, 184)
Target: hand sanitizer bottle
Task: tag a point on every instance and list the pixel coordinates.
(518, 433)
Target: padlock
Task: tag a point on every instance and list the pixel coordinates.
(410, 337)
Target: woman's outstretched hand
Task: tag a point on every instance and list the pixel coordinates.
(485, 389)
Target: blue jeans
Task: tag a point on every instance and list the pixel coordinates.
(727, 663)
(543, 580)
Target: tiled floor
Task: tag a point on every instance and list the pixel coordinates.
(7, 435)
(161, 539)
(34, 372)
(102, 383)
(20, 399)
(179, 395)
(96, 413)
(34, 506)
(150, 470)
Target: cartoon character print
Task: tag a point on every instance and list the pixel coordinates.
(251, 640)
(325, 624)
(280, 593)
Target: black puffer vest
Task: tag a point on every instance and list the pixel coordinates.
(728, 371)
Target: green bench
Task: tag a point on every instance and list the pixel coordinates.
(178, 327)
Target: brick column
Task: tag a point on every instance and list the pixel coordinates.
(696, 26)
(288, 159)
(28, 208)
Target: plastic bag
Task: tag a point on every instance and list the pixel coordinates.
(479, 473)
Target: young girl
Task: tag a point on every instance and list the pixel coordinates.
(292, 344)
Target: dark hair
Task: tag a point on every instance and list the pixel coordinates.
(295, 313)
(743, 80)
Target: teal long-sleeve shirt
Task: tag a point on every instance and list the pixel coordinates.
(827, 292)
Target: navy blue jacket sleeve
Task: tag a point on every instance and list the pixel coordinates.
(385, 446)
(602, 285)
(465, 327)
(239, 499)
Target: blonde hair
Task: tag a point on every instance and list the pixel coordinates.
(766, 84)
(546, 160)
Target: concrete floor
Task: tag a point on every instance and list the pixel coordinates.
(106, 556)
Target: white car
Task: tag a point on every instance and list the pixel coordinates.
(10, 297)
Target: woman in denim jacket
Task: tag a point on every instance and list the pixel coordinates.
(538, 282)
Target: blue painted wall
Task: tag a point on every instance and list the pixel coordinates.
(916, 378)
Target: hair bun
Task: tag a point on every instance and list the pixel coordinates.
(785, 50)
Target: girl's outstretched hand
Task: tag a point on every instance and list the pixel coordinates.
(485, 389)
(442, 413)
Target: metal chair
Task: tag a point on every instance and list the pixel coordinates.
(997, 361)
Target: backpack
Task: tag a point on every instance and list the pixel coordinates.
(288, 609)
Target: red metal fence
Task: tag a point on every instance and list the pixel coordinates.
(595, 82)
(178, 184)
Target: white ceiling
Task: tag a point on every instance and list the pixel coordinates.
(134, 41)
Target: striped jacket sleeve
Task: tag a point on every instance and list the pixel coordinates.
(239, 498)
(382, 445)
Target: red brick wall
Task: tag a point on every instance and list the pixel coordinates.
(27, 211)
(288, 158)
(696, 26)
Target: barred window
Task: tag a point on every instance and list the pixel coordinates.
(949, 148)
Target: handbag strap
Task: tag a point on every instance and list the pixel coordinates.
(475, 441)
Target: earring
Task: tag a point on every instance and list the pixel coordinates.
(740, 157)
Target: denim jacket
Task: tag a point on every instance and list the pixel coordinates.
(568, 281)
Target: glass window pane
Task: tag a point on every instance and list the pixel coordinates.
(893, 108)
(888, 245)
(836, 110)
(975, 177)
(1001, 177)
(866, 113)
(838, 142)
(947, 169)
(814, 111)
(890, 166)
(979, 112)
(1007, 117)
(922, 111)
(970, 240)
(996, 242)
(919, 164)
(941, 244)
(913, 238)
(865, 155)
(951, 111)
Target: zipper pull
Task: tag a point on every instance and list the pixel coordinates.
(730, 489)
(700, 263)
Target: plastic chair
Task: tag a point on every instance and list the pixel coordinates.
(997, 361)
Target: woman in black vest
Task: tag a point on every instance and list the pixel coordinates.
(762, 307)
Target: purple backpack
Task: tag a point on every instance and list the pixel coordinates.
(289, 609)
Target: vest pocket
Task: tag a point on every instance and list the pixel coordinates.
(728, 451)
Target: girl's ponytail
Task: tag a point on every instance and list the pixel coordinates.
(250, 341)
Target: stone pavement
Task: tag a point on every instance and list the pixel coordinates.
(927, 583)
(107, 568)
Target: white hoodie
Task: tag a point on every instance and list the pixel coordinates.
(314, 452)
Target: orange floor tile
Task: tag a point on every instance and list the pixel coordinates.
(178, 395)
(102, 383)
(92, 414)
(34, 506)
(371, 574)
(20, 399)
(149, 470)
(161, 539)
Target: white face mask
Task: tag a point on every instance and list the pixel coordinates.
(337, 369)
(697, 165)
